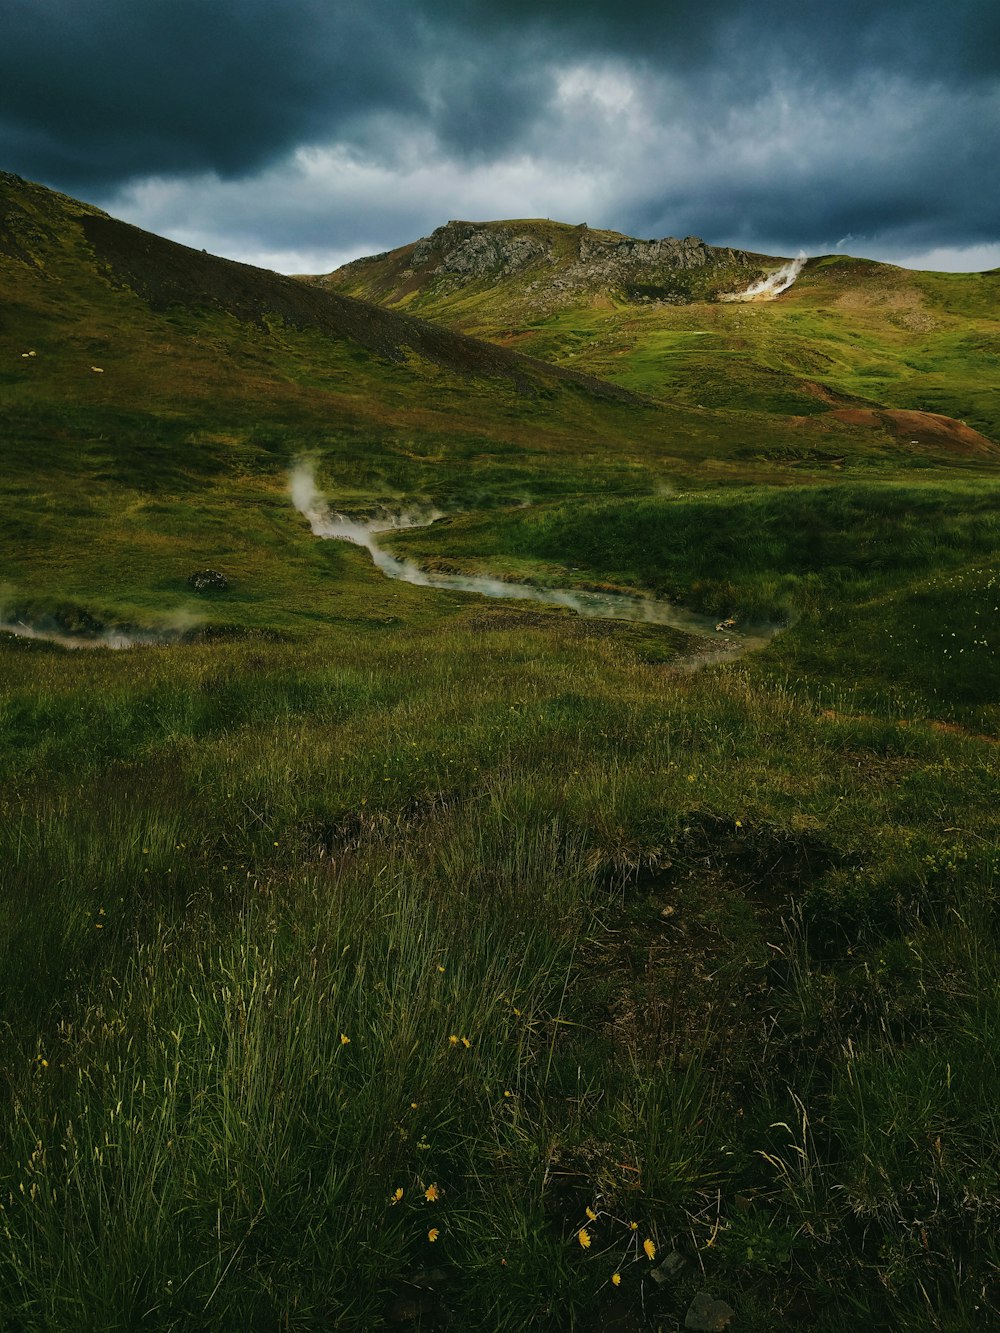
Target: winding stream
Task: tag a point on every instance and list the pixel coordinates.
(721, 642)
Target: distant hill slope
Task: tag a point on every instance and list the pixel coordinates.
(180, 335)
(648, 315)
(176, 334)
(168, 274)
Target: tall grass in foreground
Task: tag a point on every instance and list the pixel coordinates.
(346, 990)
(220, 1132)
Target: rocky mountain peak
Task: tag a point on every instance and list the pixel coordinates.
(477, 251)
(501, 250)
(594, 248)
(550, 264)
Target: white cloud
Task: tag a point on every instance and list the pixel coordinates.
(279, 218)
(952, 258)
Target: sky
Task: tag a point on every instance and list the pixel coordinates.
(298, 134)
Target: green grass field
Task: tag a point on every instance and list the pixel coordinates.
(385, 956)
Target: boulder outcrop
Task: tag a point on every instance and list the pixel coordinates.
(551, 264)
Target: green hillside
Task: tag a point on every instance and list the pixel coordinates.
(848, 333)
(377, 955)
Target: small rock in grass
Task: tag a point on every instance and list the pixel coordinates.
(428, 1277)
(670, 1267)
(207, 580)
(707, 1315)
(408, 1309)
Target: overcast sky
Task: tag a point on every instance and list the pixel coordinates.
(298, 134)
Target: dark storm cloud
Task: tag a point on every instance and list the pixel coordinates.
(885, 164)
(961, 38)
(748, 122)
(105, 89)
(97, 91)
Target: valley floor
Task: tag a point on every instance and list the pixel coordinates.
(454, 964)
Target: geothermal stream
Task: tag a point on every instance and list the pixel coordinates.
(774, 284)
(722, 641)
(595, 605)
(114, 639)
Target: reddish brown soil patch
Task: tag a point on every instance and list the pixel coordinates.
(924, 428)
(949, 728)
(826, 395)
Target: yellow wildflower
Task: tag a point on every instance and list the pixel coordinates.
(633, 1226)
(650, 1248)
(433, 1234)
(466, 1042)
(431, 1194)
(345, 1039)
(591, 1214)
(583, 1236)
(616, 1279)
(397, 1194)
(453, 1039)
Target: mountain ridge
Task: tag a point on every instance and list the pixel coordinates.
(460, 250)
(560, 258)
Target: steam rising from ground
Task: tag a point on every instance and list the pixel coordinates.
(107, 638)
(775, 283)
(328, 524)
(48, 629)
(605, 606)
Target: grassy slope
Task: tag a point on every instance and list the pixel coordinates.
(890, 591)
(422, 818)
(853, 328)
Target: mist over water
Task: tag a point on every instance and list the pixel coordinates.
(110, 638)
(775, 283)
(597, 605)
(331, 525)
(49, 629)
